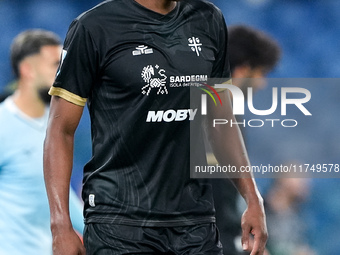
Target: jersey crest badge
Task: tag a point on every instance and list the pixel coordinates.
(155, 78)
(195, 45)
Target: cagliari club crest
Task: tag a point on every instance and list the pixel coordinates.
(155, 78)
(195, 45)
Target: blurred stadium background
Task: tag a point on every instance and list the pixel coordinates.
(307, 31)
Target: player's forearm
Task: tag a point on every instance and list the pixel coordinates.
(248, 190)
(229, 149)
(58, 158)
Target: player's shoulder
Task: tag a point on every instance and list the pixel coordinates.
(95, 14)
(203, 8)
(203, 5)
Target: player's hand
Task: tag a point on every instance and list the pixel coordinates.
(67, 242)
(254, 223)
(251, 245)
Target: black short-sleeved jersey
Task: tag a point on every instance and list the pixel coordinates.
(135, 68)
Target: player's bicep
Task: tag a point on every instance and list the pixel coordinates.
(225, 138)
(64, 115)
(223, 111)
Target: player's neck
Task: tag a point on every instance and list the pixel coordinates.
(160, 6)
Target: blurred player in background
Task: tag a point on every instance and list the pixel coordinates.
(121, 57)
(252, 54)
(288, 232)
(24, 214)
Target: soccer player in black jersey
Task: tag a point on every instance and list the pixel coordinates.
(134, 62)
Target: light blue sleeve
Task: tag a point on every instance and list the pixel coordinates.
(76, 212)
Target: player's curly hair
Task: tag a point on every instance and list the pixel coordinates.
(29, 43)
(248, 46)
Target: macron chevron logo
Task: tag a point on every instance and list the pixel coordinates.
(142, 50)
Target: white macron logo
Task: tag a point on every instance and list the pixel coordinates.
(142, 49)
(63, 56)
(155, 78)
(91, 200)
(195, 44)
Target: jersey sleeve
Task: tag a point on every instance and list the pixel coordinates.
(221, 70)
(78, 67)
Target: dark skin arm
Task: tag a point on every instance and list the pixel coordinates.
(58, 158)
(228, 147)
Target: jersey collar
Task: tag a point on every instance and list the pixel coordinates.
(152, 14)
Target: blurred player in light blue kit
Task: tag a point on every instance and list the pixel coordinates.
(24, 214)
